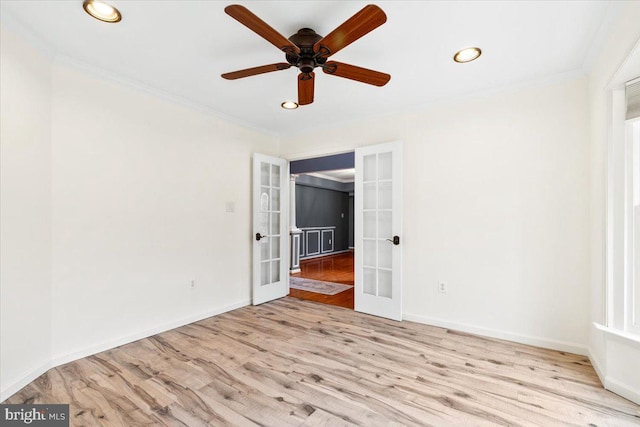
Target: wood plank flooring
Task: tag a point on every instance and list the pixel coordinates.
(299, 363)
(342, 299)
(335, 268)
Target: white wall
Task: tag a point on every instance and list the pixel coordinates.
(113, 201)
(611, 354)
(140, 188)
(496, 206)
(25, 211)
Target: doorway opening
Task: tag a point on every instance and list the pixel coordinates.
(322, 229)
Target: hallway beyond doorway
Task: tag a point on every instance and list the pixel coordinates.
(334, 268)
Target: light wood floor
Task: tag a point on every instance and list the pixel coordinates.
(300, 363)
(334, 268)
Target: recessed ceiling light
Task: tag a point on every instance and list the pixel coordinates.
(289, 105)
(102, 11)
(467, 55)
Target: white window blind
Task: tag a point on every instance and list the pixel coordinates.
(632, 92)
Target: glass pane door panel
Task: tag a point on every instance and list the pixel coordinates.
(264, 273)
(385, 256)
(264, 174)
(369, 225)
(369, 253)
(264, 250)
(369, 280)
(264, 199)
(275, 224)
(369, 196)
(275, 271)
(275, 199)
(384, 195)
(369, 166)
(384, 225)
(384, 166)
(275, 247)
(264, 224)
(275, 176)
(384, 284)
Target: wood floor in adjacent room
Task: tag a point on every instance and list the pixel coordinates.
(336, 268)
(299, 363)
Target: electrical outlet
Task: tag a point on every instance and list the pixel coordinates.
(193, 284)
(442, 287)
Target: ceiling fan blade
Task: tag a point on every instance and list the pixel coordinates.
(352, 72)
(363, 22)
(256, 70)
(258, 26)
(305, 88)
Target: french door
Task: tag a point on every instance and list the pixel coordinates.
(378, 230)
(270, 228)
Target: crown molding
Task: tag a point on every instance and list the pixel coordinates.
(444, 101)
(594, 49)
(141, 86)
(9, 22)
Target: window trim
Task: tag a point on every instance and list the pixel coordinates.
(619, 292)
(631, 324)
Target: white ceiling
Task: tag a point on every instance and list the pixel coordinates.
(180, 48)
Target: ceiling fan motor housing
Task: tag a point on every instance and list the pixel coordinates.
(305, 39)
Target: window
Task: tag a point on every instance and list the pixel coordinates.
(623, 213)
(632, 226)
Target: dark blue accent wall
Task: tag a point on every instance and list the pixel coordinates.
(326, 163)
(320, 207)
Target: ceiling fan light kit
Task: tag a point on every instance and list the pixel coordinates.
(307, 50)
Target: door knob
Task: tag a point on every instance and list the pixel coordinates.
(259, 236)
(395, 241)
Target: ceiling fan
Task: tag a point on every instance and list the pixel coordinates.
(307, 50)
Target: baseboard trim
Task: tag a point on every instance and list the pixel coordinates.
(15, 387)
(615, 386)
(602, 367)
(552, 344)
(107, 345)
(597, 366)
(70, 357)
(622, 389)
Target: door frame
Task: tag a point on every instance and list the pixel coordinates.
(351, 149)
